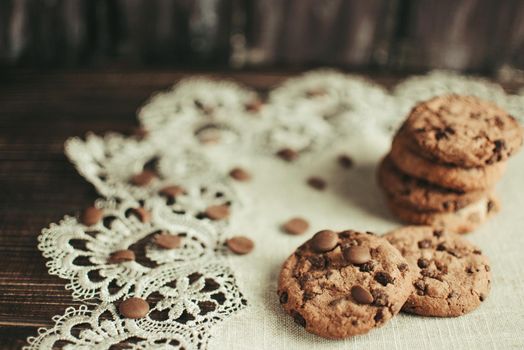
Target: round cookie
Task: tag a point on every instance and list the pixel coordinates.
(452, 277)
(418, 194)
(462, 179)
(463, 220)
(341, 284)
(463, 130)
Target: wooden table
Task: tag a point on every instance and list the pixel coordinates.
(38, 185)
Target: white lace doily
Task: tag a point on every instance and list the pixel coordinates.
(197, 132)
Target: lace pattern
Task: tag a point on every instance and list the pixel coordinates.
(191, 129)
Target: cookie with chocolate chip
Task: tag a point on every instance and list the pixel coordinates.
(463, 130)
(341, 284)
(418, 194)
(461, 221)
(452, 276)
(444, 175)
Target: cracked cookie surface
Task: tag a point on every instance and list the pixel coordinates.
(452, 276)
(341, 284)
(418, 194)
(444, 175)
(463, 130)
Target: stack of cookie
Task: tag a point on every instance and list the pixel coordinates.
(445, 161)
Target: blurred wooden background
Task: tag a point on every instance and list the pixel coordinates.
(399, 35)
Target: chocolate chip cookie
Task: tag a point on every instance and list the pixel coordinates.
(341, 284)
(461, 221)
(463, 130)
(462, 179)
(452, 275)
(418, 194)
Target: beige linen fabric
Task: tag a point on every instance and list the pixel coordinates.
(353, 200)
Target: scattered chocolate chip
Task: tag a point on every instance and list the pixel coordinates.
(384, 278)
(240, 174)
(121, 256)
(482, 297)
(172, 191)
(143, 178)
(142, 214)
(217, 212)
(317, 183)
(91, 216)
(423, 263)
(424, 244)
(477, 251)
(361, 295)
(499, 145)
(345, 161)
(254, 106)
(490, 205)
(134, 308)
(357, 255)
(295, 226)
(438, 233)
(283, 298)
(167, 241)
(311, 93)
(287, 154)
(240, 245)
(299, 319)
(324, 241)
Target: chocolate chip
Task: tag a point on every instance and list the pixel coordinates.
(91, 216)
(240, 245)
(441, 247)
(240, 174)
(287, 154)
(424, 244)
(438, 233)
(423, 263)
(299, 319)
(490, 205)
(295, 226)
(403, 267)
(317, 183)
(482, 297)
(217, 212)
(420, 285)
(361, 295)
(317, 261)
(167, 241)
(120, 256)
(283, 298)
(379, 315)
(345, 161)
(383, 278)
(311, 93)
(324, 241)
(142, 214)
(254, 106)
(143, 178)
(172, 191)
(367, 267)
(134, 308)
(357, 255)
(499, 145)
